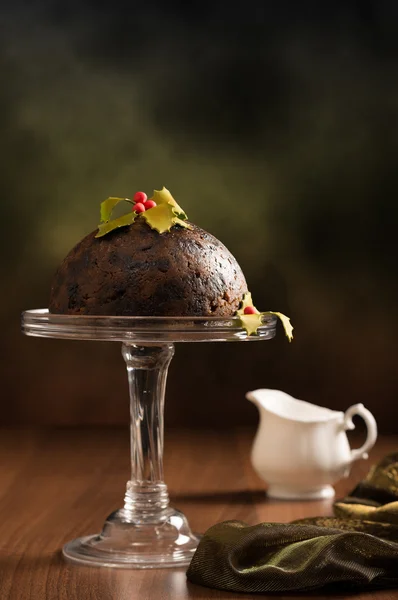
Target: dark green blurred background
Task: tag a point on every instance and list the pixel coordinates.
(275, 126)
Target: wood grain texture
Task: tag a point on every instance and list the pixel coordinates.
(60, 484)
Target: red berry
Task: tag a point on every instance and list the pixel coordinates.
(140, 197)
(249, 310)
(149, 204)
(139, 207)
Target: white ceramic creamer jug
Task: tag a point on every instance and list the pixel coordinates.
(301, 449)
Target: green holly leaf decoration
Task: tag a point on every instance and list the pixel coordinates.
(108, 205)
(105, 228)
(249, 322)
(166, 214)
(106, 225)
(161, 217)
(163, 196)
(287, 326)
(252, 322)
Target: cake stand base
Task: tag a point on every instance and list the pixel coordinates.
(166, 541)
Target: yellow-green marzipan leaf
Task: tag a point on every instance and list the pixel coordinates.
(162, 217)
(287, 326)
(250, 322)
(163, 196)
(105, 228)
(108, 205)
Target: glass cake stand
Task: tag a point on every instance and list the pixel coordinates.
(146, 533)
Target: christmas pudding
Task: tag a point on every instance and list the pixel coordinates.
(157, 264)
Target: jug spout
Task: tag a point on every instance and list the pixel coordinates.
(254, 397)
(286, 407)
(269, 400)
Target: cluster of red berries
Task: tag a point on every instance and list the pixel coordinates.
(141, 202)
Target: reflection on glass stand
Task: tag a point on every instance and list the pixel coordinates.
(146, 532)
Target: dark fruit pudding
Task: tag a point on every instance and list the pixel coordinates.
(137, 271)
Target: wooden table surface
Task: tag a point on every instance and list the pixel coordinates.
(59, 484)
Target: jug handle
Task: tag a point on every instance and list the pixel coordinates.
(371, 426)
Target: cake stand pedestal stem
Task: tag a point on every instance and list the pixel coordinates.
(147, 365)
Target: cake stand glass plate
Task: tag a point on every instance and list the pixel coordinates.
(147, 532)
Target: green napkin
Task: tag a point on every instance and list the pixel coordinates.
(357, 548)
